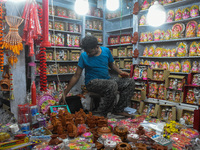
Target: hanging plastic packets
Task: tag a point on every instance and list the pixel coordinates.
(32, 28)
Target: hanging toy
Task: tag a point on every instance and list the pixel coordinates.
(12, 40)
(43, 67)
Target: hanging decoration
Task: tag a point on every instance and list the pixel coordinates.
(1, 38)
(43, 66)
(11, 85)
(12, 40)
(32, 28)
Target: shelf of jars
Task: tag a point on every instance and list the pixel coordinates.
(174, 4)
(122, 29)
(61, 31)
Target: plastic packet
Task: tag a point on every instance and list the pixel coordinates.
(186, 66)
(182, 49)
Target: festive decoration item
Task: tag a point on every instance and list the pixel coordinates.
(181, 49)
(151, 51)
(5, 82)
(150, 36)
(123, 146)
(194, 11)
(190, 99)
(136, 8)
(157, 34)
(177, 30)
(43, 77)
(190, 133)
(145, 5)
(193, 49)
(1, 38)
(178, 15)
(166, 65)
(173, 52)
(186, 66)
(198, 31)
(142, 20)
(171, 67)
(191, 29)
(158, 52)
(168, 35)
(170, 16)
(195, 66)
(177, 67)
(186, 13)
(145, 53)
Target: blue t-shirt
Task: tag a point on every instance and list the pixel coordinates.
(96, 67)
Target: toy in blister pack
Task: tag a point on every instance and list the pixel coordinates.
(161, 91)
(168, 35)
(195, 65)
(186, 66)
(171, 67)
(193, 49)
(145, 53)
(177, 97)
(178, 15)
(142, 20)
(182, 49)
(177, 30)
(195, 79)
(155, 75)
(157, 34)
(194, 11)
(170, 96)
(177, 67)
(150, 36)
(171, 83)
(186, 13)
(161, 75)
(191, 29)
(151, 51)
(170, 16)
(145, 5)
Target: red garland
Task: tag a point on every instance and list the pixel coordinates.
(43, 67)
(40, 13)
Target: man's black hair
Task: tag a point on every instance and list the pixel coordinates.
(89, 42)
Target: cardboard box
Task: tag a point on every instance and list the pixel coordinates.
(115, 52)
(74, 55)
(159, 109)
(150, 72)
(122, 51)
(142, 107)
(174, 77)
(143, 95)
(180, 112)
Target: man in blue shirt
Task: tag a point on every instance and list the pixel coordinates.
(96, 62)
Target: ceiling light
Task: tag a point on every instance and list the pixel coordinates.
(156, 15)
(112, 5)
(81, 7)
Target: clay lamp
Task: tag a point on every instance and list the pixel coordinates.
(5, 83)
(103, 130)
(123, 146)
(122, 132)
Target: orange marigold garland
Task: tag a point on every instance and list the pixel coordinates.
(1, 38)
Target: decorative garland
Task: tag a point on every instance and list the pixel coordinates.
(43, 67)
(1, 39)
(40, 13)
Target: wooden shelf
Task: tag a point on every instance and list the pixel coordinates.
(173, 40)
(69, 32)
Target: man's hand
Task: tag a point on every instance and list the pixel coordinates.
(124, 74)
(62, 100)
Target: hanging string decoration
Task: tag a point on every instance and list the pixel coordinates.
(12, 40)
(40, 13)
(1, 38)
(43, 67)
(11, 85)
(32, 28)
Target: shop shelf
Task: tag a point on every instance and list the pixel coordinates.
(191, 85)
(183, 73)
(156, 80)
(64, 31)
(174, 89)
(93, 17)
(175, 4)
(118, 18)
(63, 18)
(123, 57)
(173, 40)
(126, 69)
(64, 47)
(93, 30)
(187, 57)
(59, 61)
(123, 29)
(173, 22)
(118, 45)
